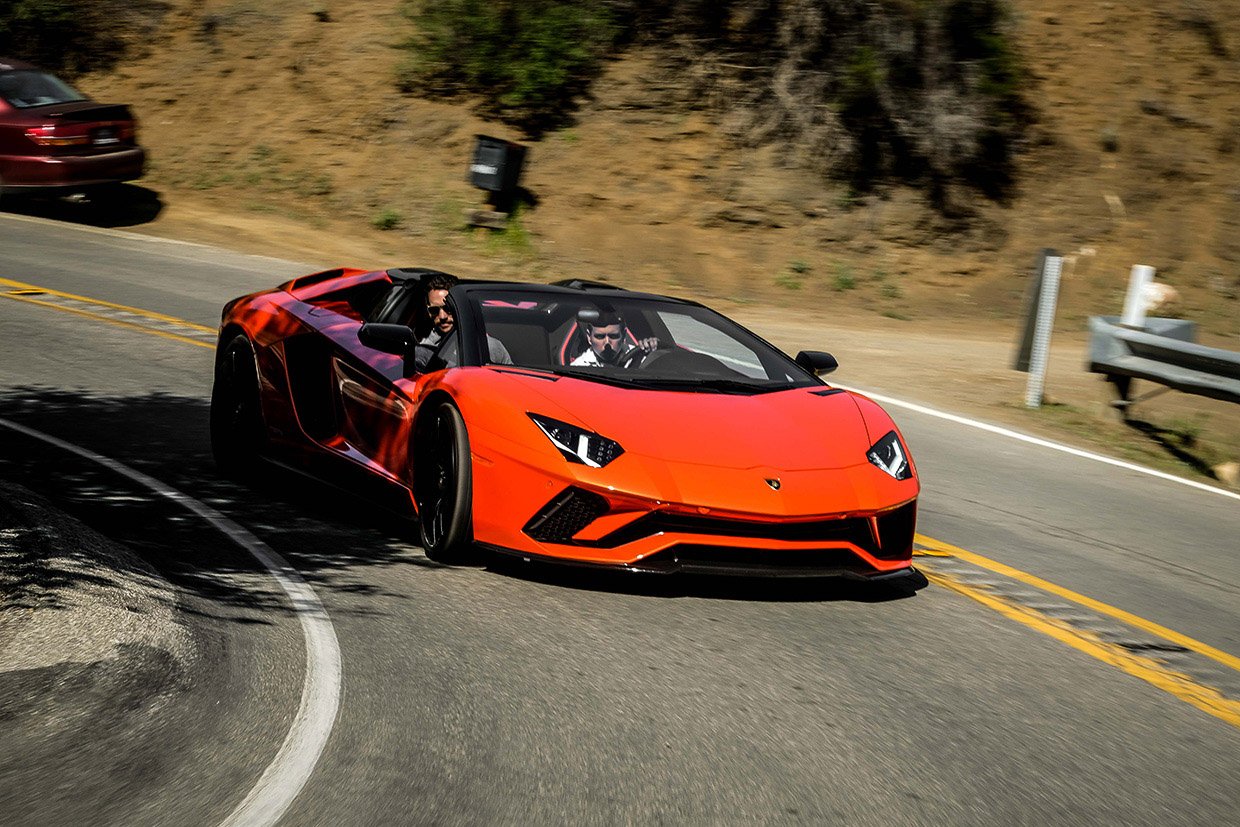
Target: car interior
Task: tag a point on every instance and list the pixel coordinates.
(550, 335)
(542, 330)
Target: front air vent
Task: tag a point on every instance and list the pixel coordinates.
(895, 532)
(567, 513)
(691, 558)
(854, 530)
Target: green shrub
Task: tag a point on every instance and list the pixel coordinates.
(527, 60)
(793, 278)
(514, 242)
(928, 92)
(75, 36)
(867, 92)
(788, 280)
(386, 219)
(844, 279)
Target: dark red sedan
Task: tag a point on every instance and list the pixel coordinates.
(52, 137)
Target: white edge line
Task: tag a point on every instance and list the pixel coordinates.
(156, 239)
(292, 766)
(1043, 443)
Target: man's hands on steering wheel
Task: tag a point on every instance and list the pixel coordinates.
(637, 355)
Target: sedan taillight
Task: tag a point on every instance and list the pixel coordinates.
(58, 135)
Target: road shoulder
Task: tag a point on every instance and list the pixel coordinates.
(76, 611)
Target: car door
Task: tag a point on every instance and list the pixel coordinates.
(375, 408)
(375, 412)
(351, 399)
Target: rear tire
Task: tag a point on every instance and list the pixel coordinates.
(237, 430)
(443, 486)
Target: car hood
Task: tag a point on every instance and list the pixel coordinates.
(793, 430)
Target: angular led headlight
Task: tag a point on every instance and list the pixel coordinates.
(578, 444)
(888, 454)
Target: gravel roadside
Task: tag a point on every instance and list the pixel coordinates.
(79, 611)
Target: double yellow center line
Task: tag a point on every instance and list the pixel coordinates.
(1162, 657)
(145, 321)
(1167, 659)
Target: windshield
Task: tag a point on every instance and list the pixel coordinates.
(24, 88)
(633, 341)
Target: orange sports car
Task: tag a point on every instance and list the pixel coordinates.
(574, 422)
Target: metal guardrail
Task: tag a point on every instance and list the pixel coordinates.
(1166, 352)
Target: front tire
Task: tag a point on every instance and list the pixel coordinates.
(237, 430)
(443, 474)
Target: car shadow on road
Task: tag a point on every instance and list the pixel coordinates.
(330, 540)
(119, 205)
(336, 540)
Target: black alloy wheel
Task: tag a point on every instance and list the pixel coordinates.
(444, 485)
(237, 430)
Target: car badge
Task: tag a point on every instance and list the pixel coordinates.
(773, 482)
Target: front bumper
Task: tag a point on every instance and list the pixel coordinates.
(769, 565)
(845, 522)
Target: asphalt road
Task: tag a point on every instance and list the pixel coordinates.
(475, 695)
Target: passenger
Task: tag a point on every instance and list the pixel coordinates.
(606, 336)
(443, 322)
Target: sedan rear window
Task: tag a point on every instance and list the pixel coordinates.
(25, 88)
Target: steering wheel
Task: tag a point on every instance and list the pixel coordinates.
(642, 359)
(632, 359)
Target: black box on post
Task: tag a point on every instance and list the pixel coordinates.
(497, 166)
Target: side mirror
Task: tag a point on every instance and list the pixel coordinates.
(817, 362)
(389, 338)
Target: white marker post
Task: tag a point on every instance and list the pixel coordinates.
(1051, 269)
(1134, 302)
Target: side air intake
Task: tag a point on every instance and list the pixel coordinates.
(567, 513)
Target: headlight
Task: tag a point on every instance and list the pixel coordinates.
(578, 444)
(888, 454)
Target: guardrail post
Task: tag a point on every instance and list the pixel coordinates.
(1134, 301)
(1051, 268)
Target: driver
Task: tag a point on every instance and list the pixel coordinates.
(609, 345)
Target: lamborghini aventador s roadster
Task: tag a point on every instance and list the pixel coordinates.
(574, 422)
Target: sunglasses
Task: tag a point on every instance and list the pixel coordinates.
(615, 337)
(434, 310)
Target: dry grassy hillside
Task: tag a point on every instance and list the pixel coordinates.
(262, 111)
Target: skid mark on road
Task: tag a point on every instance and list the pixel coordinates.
(121, 315)
(1193, 671)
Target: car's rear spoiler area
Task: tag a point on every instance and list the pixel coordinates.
(315, 285)
(86, 111)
